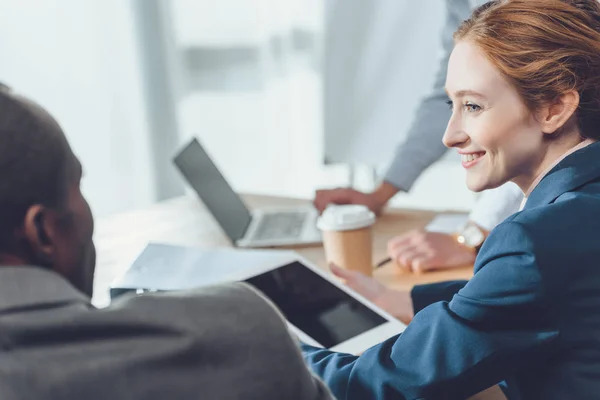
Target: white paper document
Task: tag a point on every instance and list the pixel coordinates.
(167, 267)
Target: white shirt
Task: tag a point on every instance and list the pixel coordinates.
(495, 205)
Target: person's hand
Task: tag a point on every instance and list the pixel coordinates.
(346, 196)
(375, 201)
(419, 251)
(398, 303)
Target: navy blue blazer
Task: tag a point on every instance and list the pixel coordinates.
(530, 315)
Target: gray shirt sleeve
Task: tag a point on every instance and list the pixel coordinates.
(423, 145)
(219, 342)
(225, 342)
(305, 385)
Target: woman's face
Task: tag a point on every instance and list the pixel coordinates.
(498, 138)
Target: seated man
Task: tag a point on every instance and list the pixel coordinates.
(223, 342)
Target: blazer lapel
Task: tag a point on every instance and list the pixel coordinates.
(575, 170)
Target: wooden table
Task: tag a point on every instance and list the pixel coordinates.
(185, 221)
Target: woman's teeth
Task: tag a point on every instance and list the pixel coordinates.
(470, 157)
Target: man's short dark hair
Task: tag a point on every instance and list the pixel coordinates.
(33, 157)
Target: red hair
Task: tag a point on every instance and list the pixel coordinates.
(545, 48)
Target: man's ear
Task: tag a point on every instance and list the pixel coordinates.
(555, 115)
(38, 234)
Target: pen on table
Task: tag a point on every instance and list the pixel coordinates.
(382, 262)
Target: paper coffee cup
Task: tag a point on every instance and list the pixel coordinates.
(347, 236)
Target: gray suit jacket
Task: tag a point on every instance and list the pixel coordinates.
(224, 342)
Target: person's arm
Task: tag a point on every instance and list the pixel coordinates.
(423, 145)
(402, 304)
(420, 250)
(382, 194)
(425, 295)
(282, 359)
(226, 341)
(500, 322)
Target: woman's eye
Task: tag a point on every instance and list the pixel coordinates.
(472, 107)
(450, 104)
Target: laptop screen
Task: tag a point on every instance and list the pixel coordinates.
(203, 176)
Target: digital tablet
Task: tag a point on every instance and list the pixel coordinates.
(323, 312)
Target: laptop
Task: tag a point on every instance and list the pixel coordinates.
(263, 227)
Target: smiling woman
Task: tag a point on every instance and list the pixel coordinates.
(499, 138)
(523, 79)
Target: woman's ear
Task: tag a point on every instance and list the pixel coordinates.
(554, 116)
(38, 234)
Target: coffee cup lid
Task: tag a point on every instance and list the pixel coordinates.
(345, 217)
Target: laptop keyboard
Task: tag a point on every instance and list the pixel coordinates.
(282, 225)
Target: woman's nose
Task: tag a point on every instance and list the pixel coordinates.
(454, 135)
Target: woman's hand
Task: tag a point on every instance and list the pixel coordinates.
(420, 251)
(398, 303)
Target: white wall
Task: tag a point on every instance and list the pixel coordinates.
(78, 58)
(259, 114)
(380, 60)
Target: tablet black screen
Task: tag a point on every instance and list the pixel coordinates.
(318, 308)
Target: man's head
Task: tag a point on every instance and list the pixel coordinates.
(44, 219)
